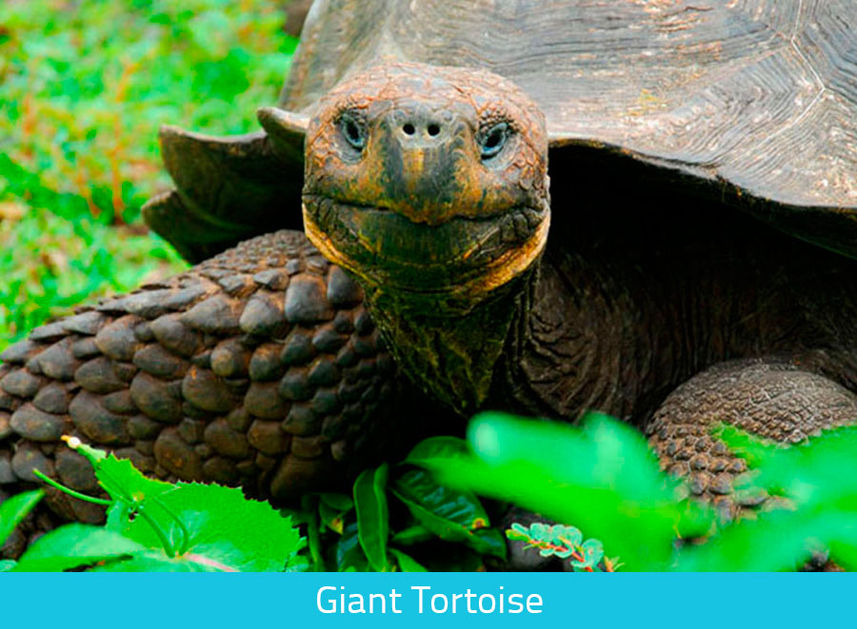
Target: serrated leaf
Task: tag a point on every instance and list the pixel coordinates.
(298, 563)
(452, 515)
(13, 510)
(121, 480)
(370, 502)
(406, 562)
(224, 530)
(73, 546)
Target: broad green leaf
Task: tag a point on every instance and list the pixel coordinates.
(370, 501)
(778, 540)
(219, 528)
(747, 446)
(13, 510)
(120, 479)
(74, 546)
(608, 453)
(600, 478)
(406, 562)
(155, 561)
(817, 472)
(452, 515)
(118, 515)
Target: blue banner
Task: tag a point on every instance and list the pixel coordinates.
(199, 601)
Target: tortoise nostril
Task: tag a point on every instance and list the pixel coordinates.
(408, 128)
(433, 129)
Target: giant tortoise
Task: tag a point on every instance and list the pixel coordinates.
(692, 262)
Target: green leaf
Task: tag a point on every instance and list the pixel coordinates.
(593, 551)
(412, 535)
(13, 510)
(452, 515)
(518, 532)
(567, 535)
(600, 477)
(218, 528)
(779, 540)
(370, 501)
(743, 444)
(437, 447)
(154, 561)
(349, 553)
(339, 502)
(332, 509)
(120, 479)
(7, 564)
(406, 562)
(74, 546)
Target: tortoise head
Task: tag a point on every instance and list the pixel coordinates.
(428, 181)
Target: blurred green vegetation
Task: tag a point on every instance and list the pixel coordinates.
(84, 86)
(799, 502)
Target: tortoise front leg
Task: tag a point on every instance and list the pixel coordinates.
(770, 398)
(259, 368)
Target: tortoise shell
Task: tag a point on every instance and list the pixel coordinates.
(755, 101)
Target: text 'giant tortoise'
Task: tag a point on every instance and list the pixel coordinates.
(693, 262)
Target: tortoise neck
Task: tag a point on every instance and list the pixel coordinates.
(448, 351)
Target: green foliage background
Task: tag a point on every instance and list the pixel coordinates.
(84, 87)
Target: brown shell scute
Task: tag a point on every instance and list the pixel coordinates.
(185, 391)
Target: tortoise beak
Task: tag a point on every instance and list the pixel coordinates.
(425, 162)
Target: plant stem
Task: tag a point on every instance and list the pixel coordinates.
(165, 541)
(71, 492)
(185, 533)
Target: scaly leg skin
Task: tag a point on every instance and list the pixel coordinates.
(770, 398)
(259, 367)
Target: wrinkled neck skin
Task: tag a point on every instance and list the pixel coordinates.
(448, 348)
(552, 342)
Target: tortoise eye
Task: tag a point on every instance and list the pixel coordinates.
(494, 139)
(353, 130)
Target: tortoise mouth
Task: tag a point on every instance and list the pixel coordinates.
(386, 248)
